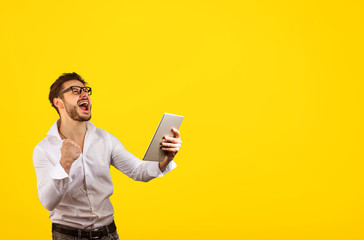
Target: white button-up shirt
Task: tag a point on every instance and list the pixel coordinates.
(81, 199)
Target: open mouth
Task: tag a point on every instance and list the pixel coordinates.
(84, 106)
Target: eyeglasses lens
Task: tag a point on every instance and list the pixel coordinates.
(78, 90)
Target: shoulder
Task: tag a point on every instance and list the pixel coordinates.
(46, 143)
(103, 134)
(45, 147)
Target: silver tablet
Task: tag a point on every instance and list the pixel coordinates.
(168, 121)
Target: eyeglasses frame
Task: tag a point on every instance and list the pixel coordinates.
(89, 90)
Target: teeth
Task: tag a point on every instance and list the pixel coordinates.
(83, 103)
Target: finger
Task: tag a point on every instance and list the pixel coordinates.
(175, 150)
(70, 144)
(172, 145)
(68, 141)
(173, 140)
(73, 143)
(176, 132)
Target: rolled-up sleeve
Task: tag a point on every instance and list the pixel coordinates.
(132, 166)
(52, 180)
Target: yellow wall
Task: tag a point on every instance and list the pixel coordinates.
(271, 91)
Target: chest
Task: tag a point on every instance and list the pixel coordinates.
(94, 159)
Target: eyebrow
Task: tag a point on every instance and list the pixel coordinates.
(73, 86)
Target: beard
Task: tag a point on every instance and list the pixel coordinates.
(73, 113)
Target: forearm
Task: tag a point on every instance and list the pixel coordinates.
(52, 183)
(51, 191)
(142, 170)
(135, 168)
(52, 179)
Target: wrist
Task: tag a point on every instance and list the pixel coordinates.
(66, 165)
(163, 165)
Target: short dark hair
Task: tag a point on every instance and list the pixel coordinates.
(57, 85)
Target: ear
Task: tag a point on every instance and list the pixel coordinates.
(58, 103)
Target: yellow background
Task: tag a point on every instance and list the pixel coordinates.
(271, 92)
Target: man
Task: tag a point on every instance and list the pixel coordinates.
(72, 165)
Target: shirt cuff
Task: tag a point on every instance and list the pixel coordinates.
(58, 172)
(154, 171)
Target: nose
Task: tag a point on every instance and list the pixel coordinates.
(83, 94)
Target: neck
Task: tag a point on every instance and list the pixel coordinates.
(73, 130)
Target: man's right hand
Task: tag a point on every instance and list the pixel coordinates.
(70, 151)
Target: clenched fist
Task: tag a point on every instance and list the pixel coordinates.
(70, 151)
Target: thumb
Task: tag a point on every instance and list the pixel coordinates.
(176, 132)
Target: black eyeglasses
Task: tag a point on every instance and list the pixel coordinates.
(76, 90)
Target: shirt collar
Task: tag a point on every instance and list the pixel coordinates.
(53, 131)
